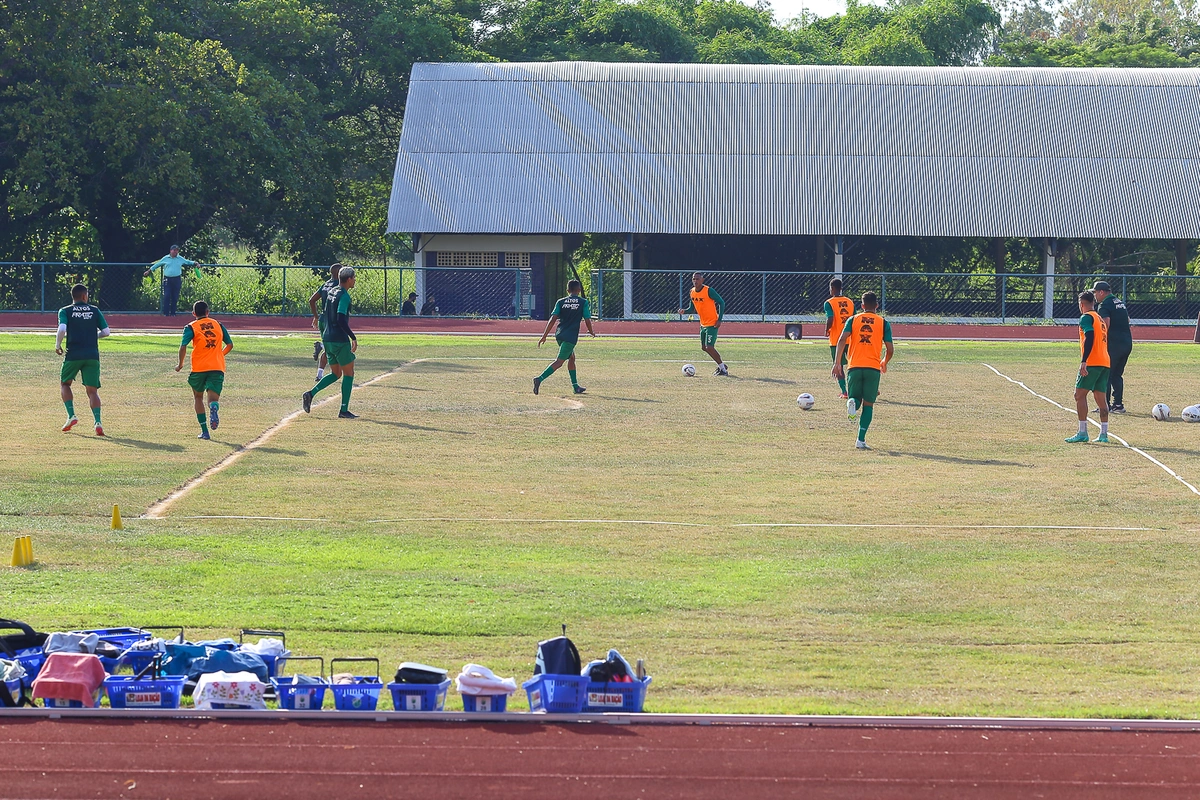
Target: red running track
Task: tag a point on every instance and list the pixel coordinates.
(329, 760)
(21, 320)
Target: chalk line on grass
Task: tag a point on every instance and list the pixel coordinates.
(938, 527)
(158, 510)
(532, 520)
(1112, 435)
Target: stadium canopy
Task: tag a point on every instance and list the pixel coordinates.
(580, 147)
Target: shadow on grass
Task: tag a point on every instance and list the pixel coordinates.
(980, 462)
(623, 399)
(141, 445)
(280, 451)
(1179, 451)
(440, 366)
(778, 381)
(906, 405)
(411, 427)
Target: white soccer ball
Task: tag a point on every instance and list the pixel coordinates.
(1161, 412)
(1191, 414)
(806, 401)
(689, 370)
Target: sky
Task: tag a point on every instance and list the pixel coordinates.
(787, 9)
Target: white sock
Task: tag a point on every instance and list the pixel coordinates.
(320, 373)
(1083, 426)
(1103, 428)
(721, 364)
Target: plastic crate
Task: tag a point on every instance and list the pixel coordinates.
(419, 696)
(120, 637)
(557, 694)
(125, 691)
(58, 702)
(137, 660)
(485, 702)
(613, 696)
(300, 696)
(360, 696)
(13, 688)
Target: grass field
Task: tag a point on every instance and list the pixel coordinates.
(462, 519)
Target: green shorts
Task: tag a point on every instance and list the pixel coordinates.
(833, 352)
(1095, 381)
(339, 353)
(565, 350)
(862, 384)
(708, 336)
(321, 323)
(89, 367)
(212, 381)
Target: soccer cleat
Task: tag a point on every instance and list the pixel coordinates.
(99, 430)
(213, 419)
(721, 370)
(1102, 439)
(580, 389)
(306, 400)
(1077, 438)
(347, 415)
(537, 384)
(1119, 408)
(204, 435)
(317, 348)
(71, 423)
(851, 409)
(861, 445)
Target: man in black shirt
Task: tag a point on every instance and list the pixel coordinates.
(1120, 342)
(409, 308)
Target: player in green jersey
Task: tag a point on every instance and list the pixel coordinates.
(340, 343)
(82, 325)
(569, 311)
(1115, 315)
(316, 304)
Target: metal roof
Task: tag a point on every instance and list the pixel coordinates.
(580, 147)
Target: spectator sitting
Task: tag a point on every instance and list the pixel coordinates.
(430, 308)
(409, 309)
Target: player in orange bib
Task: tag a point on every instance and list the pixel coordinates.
(1094, 367)
(210, 344)
(867, 338)
(710, 307)
(838, 309)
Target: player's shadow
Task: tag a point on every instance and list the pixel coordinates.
(410, 427)
(280, 451)
(778, 381)
(624, 399)
(439, 366)
(978, 462)
(141, 445)
(906, 405)
(1179, 451)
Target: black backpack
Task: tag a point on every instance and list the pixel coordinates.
(10, 645)
(557, 656)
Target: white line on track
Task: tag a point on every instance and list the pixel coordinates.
(1126, 444)
(158, 510)
(919, 525)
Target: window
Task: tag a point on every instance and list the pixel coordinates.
(445, 259)
(516, 260)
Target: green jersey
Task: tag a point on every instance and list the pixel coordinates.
(1120, 338)
(326, 288)
(337, 301)
(570, 310)
(84, 323)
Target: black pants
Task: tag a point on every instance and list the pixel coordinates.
(1116, 378)
(170, 294)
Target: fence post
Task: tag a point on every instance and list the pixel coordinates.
(283, 299)
(43, 287)
(1003, 298)
(764, 297)
(680, 276)
(1124, 293)
(516, 293)
(883, 292)
(385, 277)
(1048, 296)
(627, 274)
(599, 281)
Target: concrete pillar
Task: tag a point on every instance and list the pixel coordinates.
(419, 270)
(1048, 300)
(839, 251)
(627, 275)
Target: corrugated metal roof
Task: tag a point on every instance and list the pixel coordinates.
(579, 147)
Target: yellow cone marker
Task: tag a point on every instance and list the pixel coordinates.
(116, 523)
(22, 551)
(28, 550)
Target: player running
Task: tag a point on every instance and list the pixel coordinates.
(319, 320)
(82, 325)
(1120, 343)
(866, 336)
(838, 309)
(569, 311)
(1093, 368)
(340, 343)
(208, 363)
(711, 309)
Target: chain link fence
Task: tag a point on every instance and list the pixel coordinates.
(504, 293)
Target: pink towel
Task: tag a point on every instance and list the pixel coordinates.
(70, 676)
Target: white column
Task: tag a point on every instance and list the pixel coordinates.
(839, 250)
(628, 276)
(1048, 300)
(419, 270)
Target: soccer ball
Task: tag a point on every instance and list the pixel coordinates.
(689, 370)
(1161, 412)
(806, 401)
(1191, 414)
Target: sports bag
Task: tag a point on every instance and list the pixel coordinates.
(557, 656)
(412, 672)
(13, 643)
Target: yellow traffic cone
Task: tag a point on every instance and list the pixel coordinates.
(18, 552)
(116, 523)
(28, 551)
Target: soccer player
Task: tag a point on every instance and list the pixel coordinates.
(838, 309)
(865, 336)
(319, 320)
(340, 343)
(172, 266)
(1093, 368)
(711, 308)
(82, 325)
(569, 311)
(1120, 343)
(208, 363)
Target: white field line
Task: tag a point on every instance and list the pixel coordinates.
(531, 520)
(158, 510)
(1126, 444)
(921, 525)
